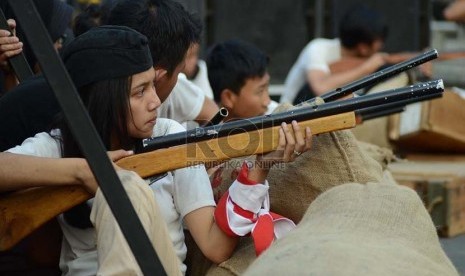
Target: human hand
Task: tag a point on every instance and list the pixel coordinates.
(9, 45)
(86, 176)
(426, 69)
(292, 144)
(374, 62)
(116, 155)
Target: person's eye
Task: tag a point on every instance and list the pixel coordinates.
(140, 92)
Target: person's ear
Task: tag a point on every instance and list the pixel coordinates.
(228, 99)
(160, 73)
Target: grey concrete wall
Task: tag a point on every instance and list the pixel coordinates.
(282, 28)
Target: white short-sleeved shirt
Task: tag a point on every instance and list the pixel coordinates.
(201, 79)
(318, 54)
(179, 193)
(184, 103)
(271, 107)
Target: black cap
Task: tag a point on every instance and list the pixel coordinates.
(106, 52)
(60, 19)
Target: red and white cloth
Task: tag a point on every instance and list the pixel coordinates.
(245, 209)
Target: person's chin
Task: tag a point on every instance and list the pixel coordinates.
(147, 134)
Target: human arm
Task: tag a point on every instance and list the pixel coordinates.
(455, 11)
(19, 171)
(323, 81)
(208, 111)
(211, 239)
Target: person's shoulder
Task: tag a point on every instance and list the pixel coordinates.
(33, 87)
(41, 144)
(166, 126)
(185, 85)
(323, 41)
(34, 82)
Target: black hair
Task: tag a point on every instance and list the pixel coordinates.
(360, 24)
(92, 16)
(231, 63)
(107, 103)
(169, 28)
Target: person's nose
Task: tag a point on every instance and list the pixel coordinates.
(154, 99)
(267, 99)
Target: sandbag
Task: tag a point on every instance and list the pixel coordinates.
(335, 158)
(354, 229)
(384, 156)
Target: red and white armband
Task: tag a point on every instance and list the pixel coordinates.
(245, 209)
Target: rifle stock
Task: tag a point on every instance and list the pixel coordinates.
(24, 211)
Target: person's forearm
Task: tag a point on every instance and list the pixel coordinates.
(212, 241)
(208, 111)
(455, 11)
(327, 82)
(258, 171)
(22, 171)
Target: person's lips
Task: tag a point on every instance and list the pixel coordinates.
(152, 121)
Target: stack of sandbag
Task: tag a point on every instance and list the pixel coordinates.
(354, 229)
(335, 158)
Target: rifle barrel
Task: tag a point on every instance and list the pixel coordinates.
(382, 113)
(222, 113)
(376, 109)
(301, 114)
(379, 76)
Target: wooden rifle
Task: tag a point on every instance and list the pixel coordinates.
(22, 212)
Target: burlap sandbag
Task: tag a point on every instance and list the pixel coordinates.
(354, 229)
(384, 156)
(335, 158)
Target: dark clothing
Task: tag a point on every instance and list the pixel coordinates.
(305, 93)
(26, 110)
